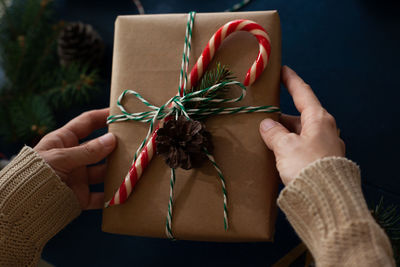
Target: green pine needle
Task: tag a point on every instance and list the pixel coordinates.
(31, 117)
(217, 75)
(27, 44)
(35, 86)
(389, 219)
(75, 84)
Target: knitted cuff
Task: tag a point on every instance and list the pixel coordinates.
(324, 202)
(34, 205)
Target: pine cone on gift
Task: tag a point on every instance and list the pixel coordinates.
(79, 42)
(182, 142)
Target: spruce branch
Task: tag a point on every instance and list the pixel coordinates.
(43, 5)
(6, 14)
(35, 86)
(211, 77)
(219, 74)
(31, 117)
(22, 46)
(48, 48)
(75, 84)
(389, 219)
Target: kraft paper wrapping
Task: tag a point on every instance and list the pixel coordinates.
(147, 59)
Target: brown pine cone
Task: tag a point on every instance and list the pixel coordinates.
(182, 142)
(79, 42)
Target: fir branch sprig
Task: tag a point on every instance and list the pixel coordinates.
(31, 117)
(25, 28)
(211, 77)
(34, 85)
(219, 74)
(389, 219)
(75, 84)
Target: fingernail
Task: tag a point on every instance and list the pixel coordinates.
(267, 124)
(107, 139)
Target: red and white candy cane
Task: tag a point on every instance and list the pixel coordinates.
(237, 25)
(148, 151)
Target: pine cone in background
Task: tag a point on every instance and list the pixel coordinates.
(182, 142)
(79, 42)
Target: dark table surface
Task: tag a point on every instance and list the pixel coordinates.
(348, 51)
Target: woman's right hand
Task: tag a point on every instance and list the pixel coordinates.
(298, 141)
(70, 159)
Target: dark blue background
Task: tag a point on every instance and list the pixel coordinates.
(348, 51)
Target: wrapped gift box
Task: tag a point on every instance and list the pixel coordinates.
(147, 59)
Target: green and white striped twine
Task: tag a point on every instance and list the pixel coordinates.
(168, 225)
(186, 53)
(159, 113)
(177, 105)
(224, 193)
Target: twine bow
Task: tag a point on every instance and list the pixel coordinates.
(177, 105)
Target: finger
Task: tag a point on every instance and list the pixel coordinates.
(271, 131)
(96, 201)
(302, 94)
(96, 173)
(292, 123)
(87, 122)
(49, 141)
(315, 120)
(60, 138)
(90, 152)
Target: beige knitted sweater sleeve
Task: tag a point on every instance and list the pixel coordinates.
(324, 204)
(326, 207)
(34, 205)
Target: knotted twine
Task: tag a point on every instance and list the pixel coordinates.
(175, 106)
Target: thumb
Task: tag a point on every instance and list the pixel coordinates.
(271, 131)
(90, 152)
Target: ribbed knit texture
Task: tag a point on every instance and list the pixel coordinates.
(34, 205)
(326, 207)
(324, 204)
